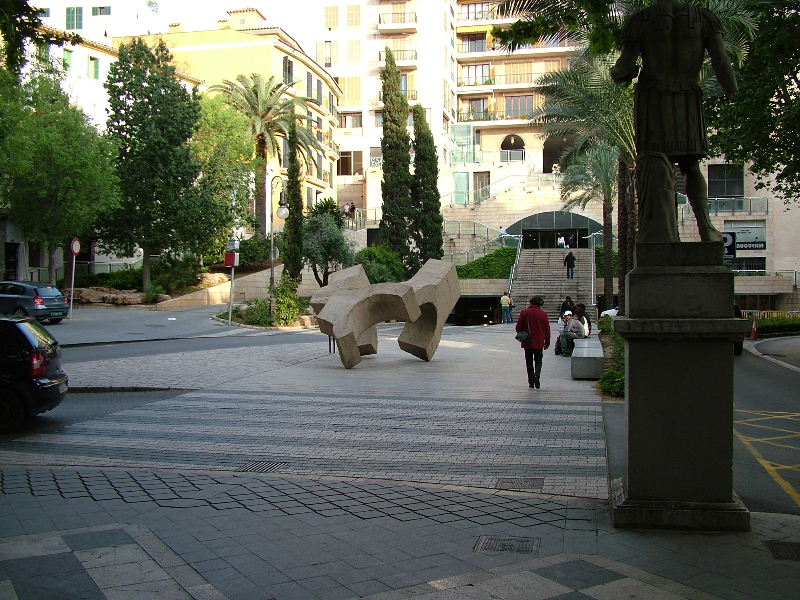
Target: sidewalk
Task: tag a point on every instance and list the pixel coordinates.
(286, 476)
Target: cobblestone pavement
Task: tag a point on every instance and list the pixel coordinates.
(281, 475)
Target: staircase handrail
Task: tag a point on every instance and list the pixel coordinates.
(463, 227)
(516, 261)
(483, 193)
(462, 258)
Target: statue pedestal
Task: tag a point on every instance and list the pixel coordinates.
(679, 335)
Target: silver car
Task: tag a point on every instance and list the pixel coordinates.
(43, 301)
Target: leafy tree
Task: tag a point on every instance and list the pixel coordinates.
(12, 111)
(324, 247)
(761, 125)
(70, 183)
(269, 109)
(395, 146)
(592, 176)
(380, 264)
(426, 216)
(151, 118)
(293, 227)
(218, 201)
(21, 23)
(328, 206)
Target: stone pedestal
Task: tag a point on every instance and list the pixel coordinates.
(679, 336)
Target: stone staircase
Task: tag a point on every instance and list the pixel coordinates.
(542, 272)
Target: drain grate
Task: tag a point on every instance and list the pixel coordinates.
(520, 483)
(487, 543)
(261, 466)
(784, 550)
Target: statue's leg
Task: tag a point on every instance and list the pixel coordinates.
(697, 193)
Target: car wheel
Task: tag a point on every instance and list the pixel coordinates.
(54, 321)
(19, 312)
(12, 412)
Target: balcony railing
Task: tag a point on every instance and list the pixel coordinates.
(492, 115)
(504, 79)
(717, 206)
(466, 155)
(476, 46)
(397, 18)
(398, 55)
(409, 94)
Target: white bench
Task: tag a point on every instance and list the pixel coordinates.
(587, 358)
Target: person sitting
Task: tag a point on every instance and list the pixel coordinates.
(565, 318)
(580, 310)
(574, 331)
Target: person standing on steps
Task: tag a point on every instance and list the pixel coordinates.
(505, 305)
(567, 305)
(560, 242)
(569, 262)
(534, 320)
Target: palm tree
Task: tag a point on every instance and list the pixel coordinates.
(592, 176)
(583, 101)
(270, 110)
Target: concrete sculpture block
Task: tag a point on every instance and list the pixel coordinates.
(349, 308)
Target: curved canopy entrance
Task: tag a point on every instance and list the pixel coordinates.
(542, 230)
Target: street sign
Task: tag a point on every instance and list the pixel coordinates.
(729, 244)
(231, 259)
(233, 245)
(75, 246)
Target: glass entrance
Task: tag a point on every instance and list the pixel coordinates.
(574, 237)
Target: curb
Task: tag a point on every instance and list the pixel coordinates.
(126, 388)
(753, 350)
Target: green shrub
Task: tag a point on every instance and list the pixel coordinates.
(496, 265)
(380, 264)
(154, 292)
(778, 325)
(254, 251)
(600, 261)
(126, 279)
(173, 273)
(612, 381)
(288, 307)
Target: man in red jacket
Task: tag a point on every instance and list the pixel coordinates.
(534, 320)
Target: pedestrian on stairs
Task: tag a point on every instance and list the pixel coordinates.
(567, 305)
(535, 321)
(505, 304)
(560, 242)
(569, 262)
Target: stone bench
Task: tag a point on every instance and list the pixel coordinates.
(587, 358)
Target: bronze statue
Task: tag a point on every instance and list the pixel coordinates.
(672, 38)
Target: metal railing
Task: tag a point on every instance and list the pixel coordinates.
(469, 228)
(465, 116)
(538, 180)
(716, 206)
(398, 55)
(83, 268)
(409, 94)
(516, 260)
(502, 79)
(397, 18)
(462, 258)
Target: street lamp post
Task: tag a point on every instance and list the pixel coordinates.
(591, 237)
(282, 213)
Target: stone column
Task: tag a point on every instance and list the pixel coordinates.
(679, 334)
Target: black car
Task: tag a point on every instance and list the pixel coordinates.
(43, 301)
(31, 378)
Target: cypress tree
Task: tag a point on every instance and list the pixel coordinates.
(426, 220)
(395, 146)
(293, 227)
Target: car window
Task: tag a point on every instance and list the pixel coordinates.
(37, 335)
(15, 290)
(49, 291)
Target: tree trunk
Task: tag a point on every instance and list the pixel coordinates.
(608, 268)
(51, 262)
(68, 267)
(145, 269)
(315, 271)
(622, 233)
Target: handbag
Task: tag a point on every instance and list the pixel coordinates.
(522, 336)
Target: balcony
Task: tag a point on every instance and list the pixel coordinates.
(728, 206)
(397, 22)
(405, 59)
(411, 95)
(512, 79)
(468, 116)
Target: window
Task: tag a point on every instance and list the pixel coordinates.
(353, 16)
(351, 120)
(74, 17)
(101, 10)
(378, 118)
(519, 106)
(327, 57)
(477, 107)
(93, 71)
(350, 163)
(725, 181)
(354, 51)
(44, 12)
(309, 84)
(319, 165)
(750, 235)
(319, 130)
(474, 74)
(309, 198)
(351, 86)
(332, 17)
(42, 52)
(477, 10)
(288, 71)
(67, 60)
(319, 91)
(474, 42)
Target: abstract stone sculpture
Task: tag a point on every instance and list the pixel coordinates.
(349, 308)
(672, 38)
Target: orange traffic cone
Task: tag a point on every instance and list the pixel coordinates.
(754, 331)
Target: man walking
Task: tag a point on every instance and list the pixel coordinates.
(569, 262)
(505, 304)
(534, 320)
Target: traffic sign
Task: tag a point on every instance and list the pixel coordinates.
(75, 246)
(729, 244)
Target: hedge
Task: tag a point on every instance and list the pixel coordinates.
(496, 265)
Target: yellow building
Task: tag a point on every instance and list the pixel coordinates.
(243, 44)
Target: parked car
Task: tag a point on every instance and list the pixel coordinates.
(31, 378)
(43, 301)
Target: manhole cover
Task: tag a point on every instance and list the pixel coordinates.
(784, 550)
(488, 543)
(519, 483)
(261, 466)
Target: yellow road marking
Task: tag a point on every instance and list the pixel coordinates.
(789, 431)
(770, 469)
